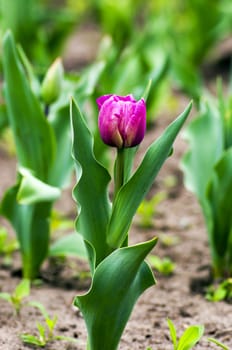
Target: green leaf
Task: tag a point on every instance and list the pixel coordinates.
(91, 189)
(33, 135)
(172, 330)
(118, 281)
(69, 245)
(190, 337)
(32, 190)
(133, 192)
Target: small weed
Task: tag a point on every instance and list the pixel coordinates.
(147, 209)
(222, 291)
(165, 266)
(188, 339)
(17, 298)
(45, 330)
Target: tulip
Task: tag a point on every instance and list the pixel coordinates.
(122, 120)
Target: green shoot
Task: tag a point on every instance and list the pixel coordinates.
(223, 291)
(165, 266)
(148, 208)
(16, 299)
(46, 332)
(218, 343)
(189, 338)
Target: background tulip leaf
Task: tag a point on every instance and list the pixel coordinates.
(34, 138)
(118, 281)
(61, 167)
(205, 138)
(69, 245)
(91, 189)
(132, 193)
(33, 190)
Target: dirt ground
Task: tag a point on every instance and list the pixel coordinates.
(179, 297)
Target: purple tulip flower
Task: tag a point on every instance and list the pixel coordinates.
(122, 120)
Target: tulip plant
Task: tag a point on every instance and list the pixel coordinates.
(119, 273)
(207, 168)
(38, 116)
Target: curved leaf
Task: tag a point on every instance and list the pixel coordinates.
(118, 281)
(132, 193)
(91, 189)
(33, 190)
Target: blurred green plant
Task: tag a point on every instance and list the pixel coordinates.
(147, 209)
(38, 116)
(41, 27)
(220, 291)
(164, 265)
(17, 298)
(207, 167)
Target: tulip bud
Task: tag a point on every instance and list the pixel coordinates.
(122, 120)
(51, 85)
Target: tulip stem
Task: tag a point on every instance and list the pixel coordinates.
(119, 178)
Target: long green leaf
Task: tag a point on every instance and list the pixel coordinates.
(117, 283)
(91, 189)
(132, 193)
(33, 135)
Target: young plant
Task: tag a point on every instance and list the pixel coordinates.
(223, 291)
(17, 298)
(188, 339)
(147, 209)
(207, 169)
(45, 331)
(165, 266)
(119, 272)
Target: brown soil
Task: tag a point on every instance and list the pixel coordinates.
(179, 297)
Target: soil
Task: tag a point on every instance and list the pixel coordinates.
(180, 296)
